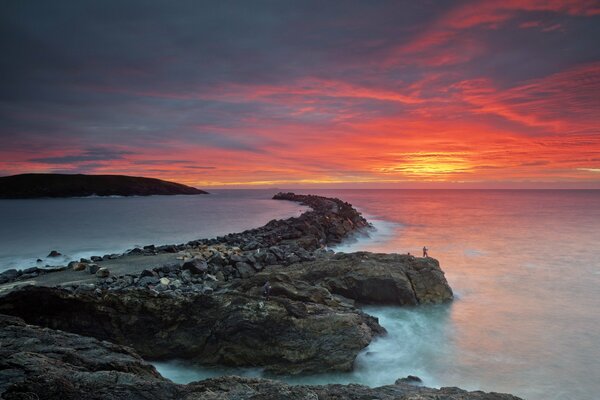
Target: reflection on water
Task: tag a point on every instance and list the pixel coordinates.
(525, 271)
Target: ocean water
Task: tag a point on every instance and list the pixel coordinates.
(524, 266)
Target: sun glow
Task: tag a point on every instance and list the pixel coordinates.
(432, 166)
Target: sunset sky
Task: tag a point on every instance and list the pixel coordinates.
(304, 93)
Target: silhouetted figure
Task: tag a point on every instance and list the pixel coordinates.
(266, 290)
(425, 252)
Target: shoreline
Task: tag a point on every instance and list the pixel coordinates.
(219, 286)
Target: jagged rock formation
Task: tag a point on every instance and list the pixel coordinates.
(367, 278)
(226, 328)
(27, 186)
(46, 364)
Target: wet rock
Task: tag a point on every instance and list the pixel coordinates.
(39, 363)
(411, 380)
(54, 253)
(9, 275)
(28, 276)
(96, 258)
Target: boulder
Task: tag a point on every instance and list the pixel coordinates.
(54, 253)
(373, 278)
(9, 275)
(165, 281)
(244, 269)
(411, 380)
(79, 266)
(148, 280)
(196, 266)
(103, 272)
(92, 268)
(148, 272)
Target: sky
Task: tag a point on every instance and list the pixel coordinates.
(354, 94)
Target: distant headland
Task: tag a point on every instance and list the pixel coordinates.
(28, 186)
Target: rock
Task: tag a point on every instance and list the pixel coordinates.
(39, 363)
(148, 280)
(411, 380)
(176, 283)
(28, 276)
(230, 328)
(148, 272)
(245, 270)
(196, 266)
(168, 268)
(96, 258)
(84, 260)
(271, 259)
(218, 259)
(32, 270)
(235, 258)
(54, 253)
(376, 278)
(165, 281)
(92, 268)
(103, 272)
(78, 266)
(39, 260)
(9, 275)
(186, 276)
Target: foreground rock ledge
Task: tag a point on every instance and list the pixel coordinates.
(223, 328)
(41, 363)
(310, 324)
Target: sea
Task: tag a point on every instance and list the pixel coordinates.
(524, 266)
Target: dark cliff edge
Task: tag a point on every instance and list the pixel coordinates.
(30, 186)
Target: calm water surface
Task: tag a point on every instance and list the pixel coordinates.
(524, 266)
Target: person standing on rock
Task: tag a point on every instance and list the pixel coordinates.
(425, 255)
(267, 290)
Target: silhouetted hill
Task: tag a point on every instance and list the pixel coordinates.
(63, 185)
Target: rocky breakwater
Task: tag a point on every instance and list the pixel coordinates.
(41, 363)
(310, 324)
(209, 307)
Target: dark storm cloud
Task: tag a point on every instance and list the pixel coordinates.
(78, 77)
(92, 154)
